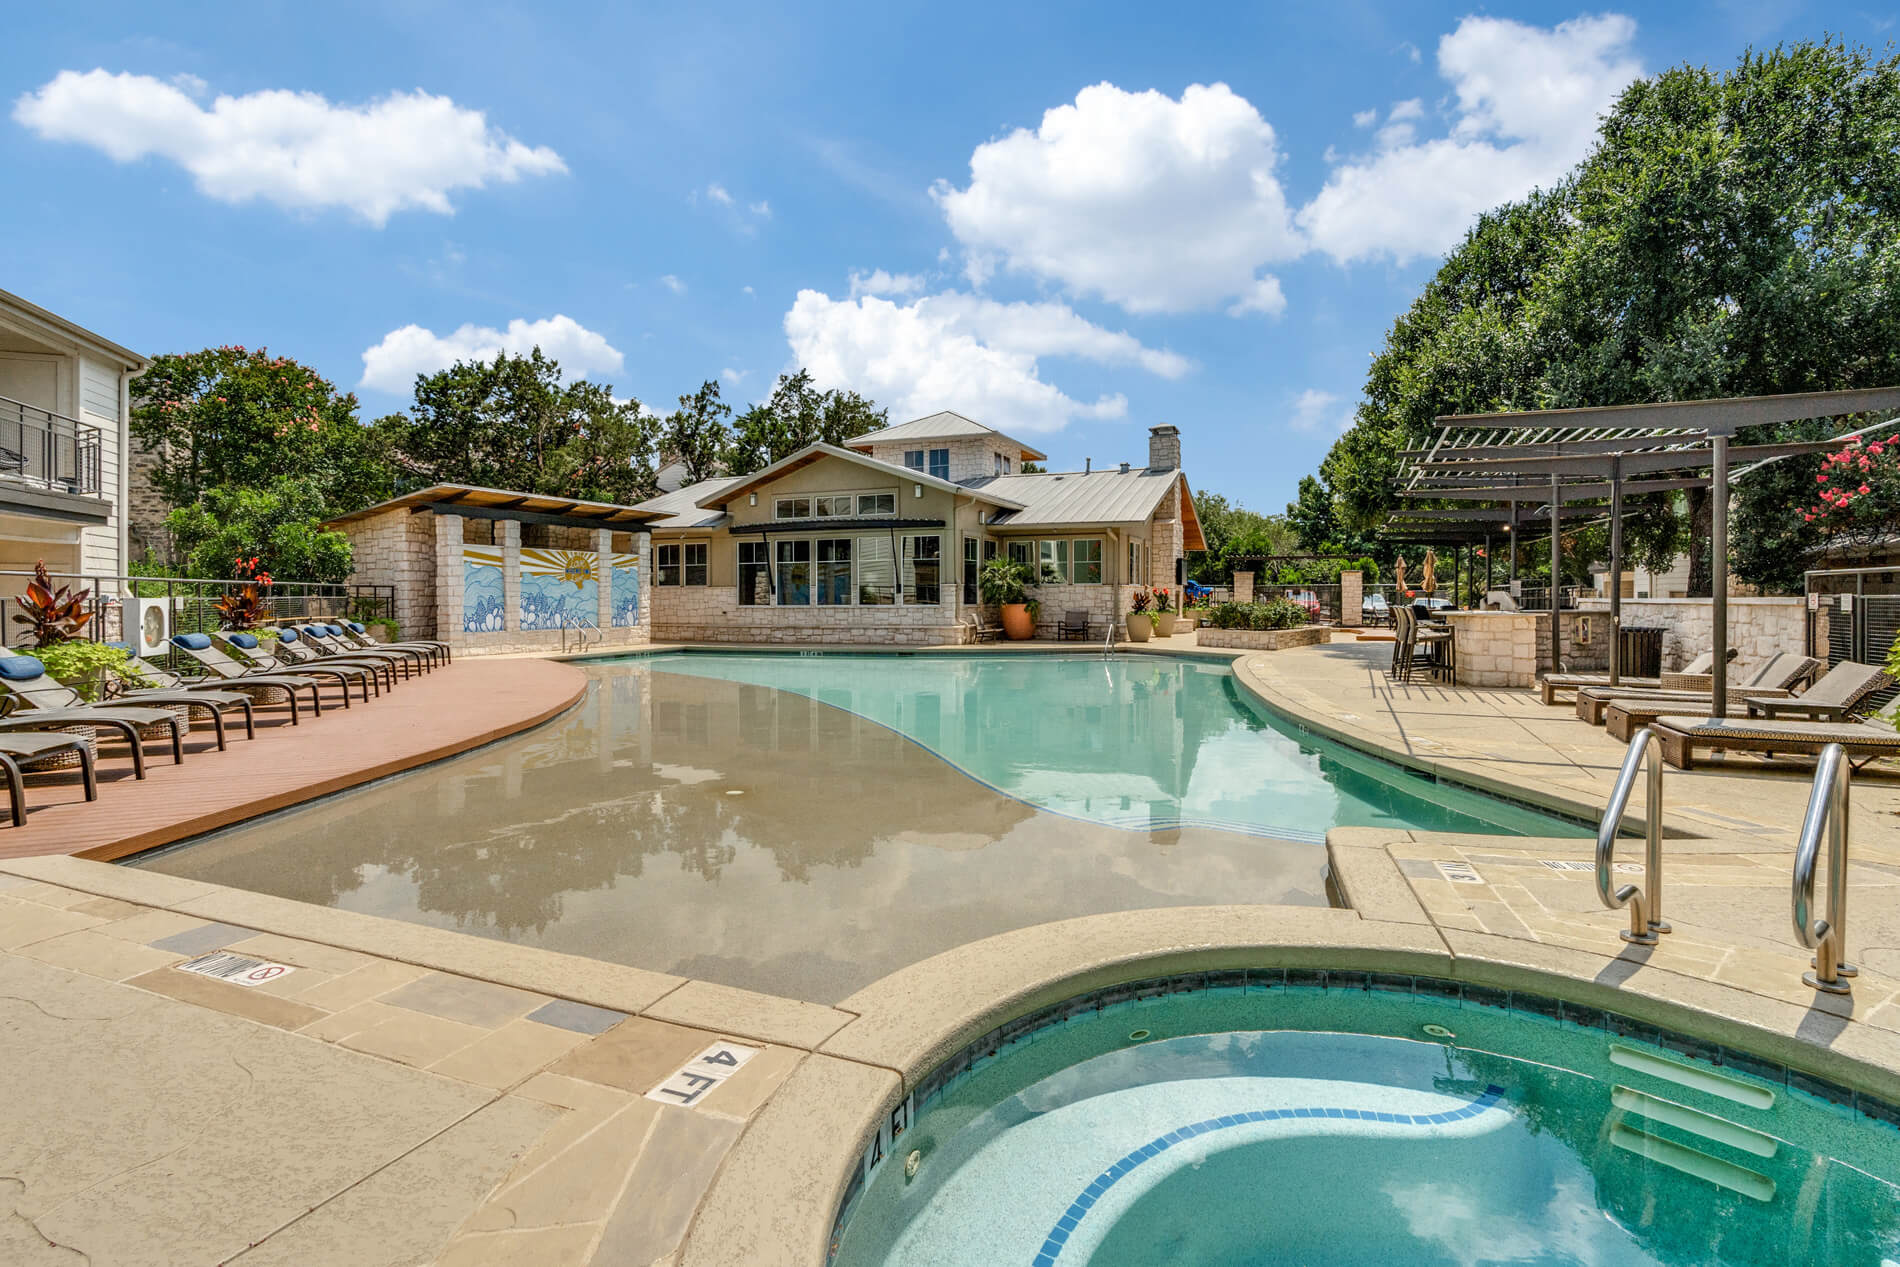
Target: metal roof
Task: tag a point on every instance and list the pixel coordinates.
(501, 503)
(1091, 497)
(940, 426)
(681, 509)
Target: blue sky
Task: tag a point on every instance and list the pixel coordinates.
(1069, 221)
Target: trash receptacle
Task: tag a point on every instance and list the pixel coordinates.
(1639, 651)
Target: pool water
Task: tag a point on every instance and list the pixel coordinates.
(1326, 1128)
(804, 825)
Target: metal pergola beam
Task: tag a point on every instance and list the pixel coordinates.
(1569, 492)
(1717, 417)
(1639, 463)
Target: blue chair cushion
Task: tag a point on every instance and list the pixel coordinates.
(287, 634)
(247, 641)
(352, 624)
(20, 668)
(335, 631)
(193, 642)
(126, 647)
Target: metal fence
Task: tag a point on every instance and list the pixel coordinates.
(119, 605)
(48, 450)
(1853, 626)
(1536, 598)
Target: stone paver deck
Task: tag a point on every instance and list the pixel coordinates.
(425, 718)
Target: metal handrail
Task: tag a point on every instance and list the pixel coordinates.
(1645, 904)
(1108, 639)
(580, 625)
(1827, 810)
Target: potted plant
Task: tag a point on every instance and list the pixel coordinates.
(1004, 584)
(1140, 623)
(1163, 616)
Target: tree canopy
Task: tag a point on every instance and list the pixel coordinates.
(1731, 234)
(795, 415)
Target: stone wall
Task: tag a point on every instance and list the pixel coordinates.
(1164, 540)
(1512, 648)
(1352, 597)
(1243, 587)
(1264, 639)
(1757, 627)
(397, 548)
(712, 613)
(145, 509)
(971, 457)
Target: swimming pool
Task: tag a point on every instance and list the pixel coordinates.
(1285, 1119)
(806, 824)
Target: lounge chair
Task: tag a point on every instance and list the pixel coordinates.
(357, 635)
(982, 631)
(145, 675)
(37, 707)
(46, 692)
(322, 643)
(298, 654)
(221, 665)
(1075, 624)
(28, 749)
(1864, 740)
(1551, 683)
(1836, 697)
(338, 638)
(1775, 677)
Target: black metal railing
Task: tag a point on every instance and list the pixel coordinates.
(187, 604)
(48, 450)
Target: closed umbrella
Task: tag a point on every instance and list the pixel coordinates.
(1429, 581)
(1398, 577)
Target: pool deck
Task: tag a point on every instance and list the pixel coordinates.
(471, 1102)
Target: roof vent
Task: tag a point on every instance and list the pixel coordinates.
(1087, 465)
(1124, 468)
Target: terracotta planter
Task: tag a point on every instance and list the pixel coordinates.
(1017, 626)
(1140, 626)
(1164, 624)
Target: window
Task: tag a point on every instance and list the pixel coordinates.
(969, 571)
(1134, 564)
(940, 463)
(877, 503)
(914, 459)
(794, 573)
(834, 507)
(1086, 558)
(834, 572)
(1054, 560)
(666, 565)
(1022, 551)
(793, 508)
(755, 582)
(695, 570)
(922, 570)
(877, 578)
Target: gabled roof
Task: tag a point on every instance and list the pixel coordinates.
(940, 426)
(681, 509)
(732, 489)
(1075, 498)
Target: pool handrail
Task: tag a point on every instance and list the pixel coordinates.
(1827, 811)
(1645, 903)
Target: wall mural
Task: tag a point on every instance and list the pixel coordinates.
(626, 590)
(558, 585)
(482, 607)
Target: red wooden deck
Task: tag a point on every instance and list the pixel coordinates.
(424, 719)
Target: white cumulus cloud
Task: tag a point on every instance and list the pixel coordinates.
(963, 352)
(1526, 105)
(1316, 410)
(879, 282)
(1152, 203)
(673, 284)
(393, 364)
(408, 150)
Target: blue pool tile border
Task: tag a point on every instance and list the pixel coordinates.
(1027, 1028)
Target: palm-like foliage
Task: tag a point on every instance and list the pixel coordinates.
(53, 614)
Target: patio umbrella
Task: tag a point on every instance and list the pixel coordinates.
(1429, 581)
(1398, 577)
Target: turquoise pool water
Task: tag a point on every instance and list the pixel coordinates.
(1326, 1127)
(1138, 742)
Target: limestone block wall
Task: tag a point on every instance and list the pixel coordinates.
(1352, 597)
(398, 548)
(1164, 540)
(1243, 587)
(1264, 639)
(712, 613)
(1757, 627)
(1512, 648)
(970, 456)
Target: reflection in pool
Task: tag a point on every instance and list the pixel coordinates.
(785, 823)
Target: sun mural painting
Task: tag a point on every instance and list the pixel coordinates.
(559, 587)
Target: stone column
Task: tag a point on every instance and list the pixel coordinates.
(643, 547)
(510, 534)
(1243, 587)
(1352, 597)
(604, 577)
(448, 579)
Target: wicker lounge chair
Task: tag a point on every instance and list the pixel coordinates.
(1864, 740)
(1551, 683)
(221, 665)
(357, 636)
(39, 705)
(1776, 676)
(1075, 624)
(296, 653)
(1844, 693)
(29, 749)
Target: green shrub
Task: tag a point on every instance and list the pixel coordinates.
(80, 663)
(1272, 613)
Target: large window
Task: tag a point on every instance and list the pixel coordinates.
(695, 568)
(680, 564)
(792, 508)
(940, 463)
(1054, 560)
(914, 459)
(794, 573)
(877, 503)
(1085, 561)
(834, 505)
(877, 574)
(754, 574)
(834, 572)
(1134, 564)
(1001, 462)
(1022, 551)
(969, 571)
(923, 569)
(666, 565)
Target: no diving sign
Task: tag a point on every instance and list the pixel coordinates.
(235, 969)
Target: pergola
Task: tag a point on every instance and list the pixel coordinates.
(1553, 457)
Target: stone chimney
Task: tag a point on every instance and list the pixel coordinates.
(1164, 448)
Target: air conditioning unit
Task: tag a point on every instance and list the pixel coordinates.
(151, 631)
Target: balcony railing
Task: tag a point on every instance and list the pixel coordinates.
(46, 450)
